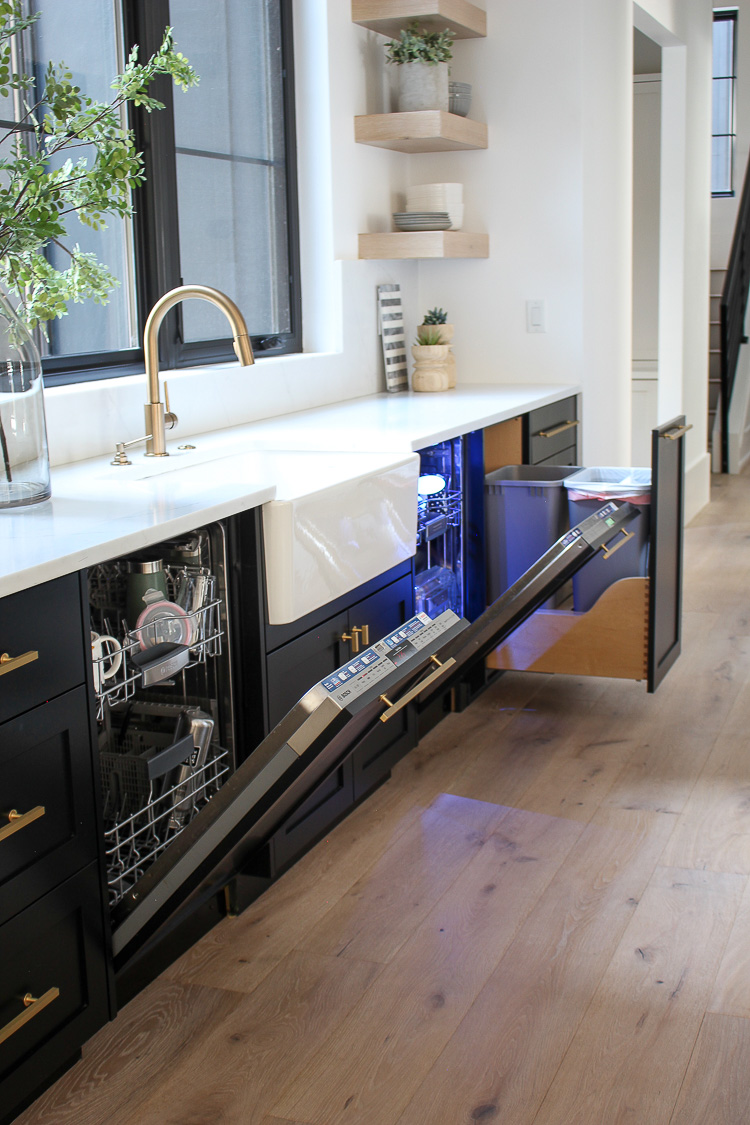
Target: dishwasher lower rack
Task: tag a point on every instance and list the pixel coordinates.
(146, 809)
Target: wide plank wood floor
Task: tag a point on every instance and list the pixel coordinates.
(543, 918)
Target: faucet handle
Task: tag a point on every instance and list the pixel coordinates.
(170, 419)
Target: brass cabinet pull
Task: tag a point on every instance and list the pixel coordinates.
(394, 708)
(17, 820)
(365, 635)
(674, 435)
(33, 1006)
(608, 552)
(8, 663)
(353, 638)
(559, 429)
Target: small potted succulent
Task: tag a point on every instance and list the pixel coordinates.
(435, 320)
(432, 360)
(438, 318)
(422, 58)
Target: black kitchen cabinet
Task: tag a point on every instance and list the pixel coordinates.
(41, 645)
(382, 748)
(293, 667)
(551, 434)
(296, 666)
(53, 987)
(54, 974)
(45, 759)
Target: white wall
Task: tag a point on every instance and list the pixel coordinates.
(646, 202)
(554, 190)
(525, 190)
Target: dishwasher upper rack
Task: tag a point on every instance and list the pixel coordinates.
(435, 514)
(107, 584)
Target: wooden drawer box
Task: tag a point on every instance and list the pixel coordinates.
(48, 621)
(633, 630)
(45, 764)
(54, 952)
(550, 431)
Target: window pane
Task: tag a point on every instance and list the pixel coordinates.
(723, 48)
(231, 189)
(721, 164)
(84, 34)
(723, 103)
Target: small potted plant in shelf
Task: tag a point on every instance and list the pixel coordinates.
(422, 58)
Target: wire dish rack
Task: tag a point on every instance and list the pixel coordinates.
(196, 621)
(435, 514)
(149, 802)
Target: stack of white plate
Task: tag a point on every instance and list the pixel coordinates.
(421, 220)
(438, 197)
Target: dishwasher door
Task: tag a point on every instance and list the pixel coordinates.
(324, 727)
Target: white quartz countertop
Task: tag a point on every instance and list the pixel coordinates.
(98, 511)
(400, 422)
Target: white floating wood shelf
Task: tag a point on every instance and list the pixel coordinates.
(388, 17)
(426, 130)
(424, 244)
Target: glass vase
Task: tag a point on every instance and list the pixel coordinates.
(24, 460)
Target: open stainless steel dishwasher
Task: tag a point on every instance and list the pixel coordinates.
(212, 845)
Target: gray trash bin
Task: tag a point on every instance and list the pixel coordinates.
(525, 513)
(587, 490)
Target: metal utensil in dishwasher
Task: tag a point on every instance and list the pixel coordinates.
(199, 726)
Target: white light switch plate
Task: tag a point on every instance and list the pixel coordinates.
(536, 316)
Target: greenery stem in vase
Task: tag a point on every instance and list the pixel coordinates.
(68, 155)
(65, 155)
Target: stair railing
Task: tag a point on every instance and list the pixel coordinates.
(732, 312)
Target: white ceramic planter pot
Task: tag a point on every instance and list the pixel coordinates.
(431, 367)
(422, 86)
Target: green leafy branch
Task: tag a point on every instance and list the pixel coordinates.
(413, 45)
(38, 194)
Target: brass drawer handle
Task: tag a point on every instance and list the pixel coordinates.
(8, 663)
(17, 820)
(608, 552)
(674, 435)
(393, 708)
(365, 635)
(353, 638)
(559, 429)
(33, 1006)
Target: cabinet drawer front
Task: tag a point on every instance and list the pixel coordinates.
(45, 764)
(564, 457)
(327, 802)
(45, 620)
(295, 667)
(544, 444)
(57, 944)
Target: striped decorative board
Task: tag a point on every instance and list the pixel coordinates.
(391, 329)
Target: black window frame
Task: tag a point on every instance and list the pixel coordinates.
(156, 229)
(728, 14)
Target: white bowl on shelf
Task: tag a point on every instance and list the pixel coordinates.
(434, 197)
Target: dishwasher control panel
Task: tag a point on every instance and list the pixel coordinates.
(416, 635)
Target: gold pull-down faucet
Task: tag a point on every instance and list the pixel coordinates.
(155, 412)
